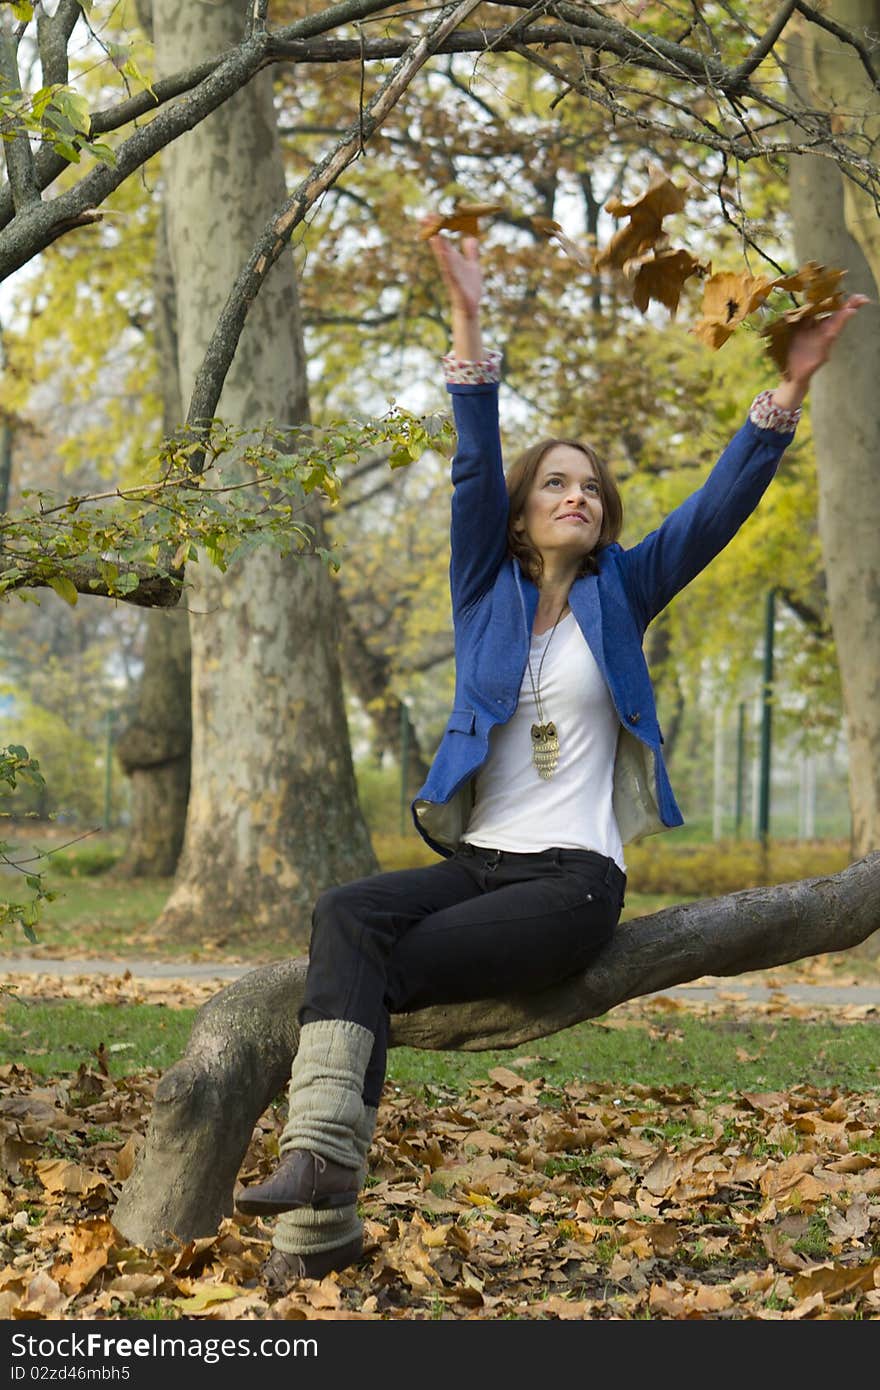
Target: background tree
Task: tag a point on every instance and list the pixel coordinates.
(831, 227)
(273, 814)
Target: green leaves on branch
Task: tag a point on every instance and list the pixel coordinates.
(252, 489)
(16, 765)
(58, 115)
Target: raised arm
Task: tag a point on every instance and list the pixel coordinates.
(463, 279)
(479, 500)
(669, 558)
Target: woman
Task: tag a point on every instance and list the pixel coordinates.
(550, 763)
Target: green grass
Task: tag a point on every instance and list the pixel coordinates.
(54, 1039)
(102, 914)
(700, 1053)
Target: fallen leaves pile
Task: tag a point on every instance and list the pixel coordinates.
(514, 1199)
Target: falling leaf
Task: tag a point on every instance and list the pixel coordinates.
(506, 1079)
(465, 217)
(545, 226)
(728, 299)
(661, 276)
(779, 333)
(193, 1254)
(645, 225)
(815, 279)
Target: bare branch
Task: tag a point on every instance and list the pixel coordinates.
(763, 46)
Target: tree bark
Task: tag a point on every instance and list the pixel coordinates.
(369, 675)
(244, 1039)
(842, 83)
(154, 751)
(273, 813)
(845, 413)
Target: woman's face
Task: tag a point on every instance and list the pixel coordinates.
(563, 511)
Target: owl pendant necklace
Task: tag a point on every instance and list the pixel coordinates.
(545, 739)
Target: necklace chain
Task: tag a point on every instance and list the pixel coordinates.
(545, 739)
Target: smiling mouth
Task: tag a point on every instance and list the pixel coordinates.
(574, 516)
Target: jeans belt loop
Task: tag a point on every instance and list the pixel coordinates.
(495, 860)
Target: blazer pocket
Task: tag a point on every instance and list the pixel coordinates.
(461, 721)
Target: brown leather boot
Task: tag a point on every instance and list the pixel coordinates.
(303, 1179)
(279, 1271)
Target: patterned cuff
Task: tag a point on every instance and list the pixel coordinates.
(460, 372)
(768, 416)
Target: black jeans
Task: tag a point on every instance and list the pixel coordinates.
(482, 923)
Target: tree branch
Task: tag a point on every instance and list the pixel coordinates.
(275, 238)
(53, 36)
(153, 591)
(19, 156)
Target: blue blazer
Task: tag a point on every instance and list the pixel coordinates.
(494, 604)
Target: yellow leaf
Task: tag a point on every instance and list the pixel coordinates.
(204, 1296)
(64, 588)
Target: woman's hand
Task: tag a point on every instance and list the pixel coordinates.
(461, 273)
(463, 279)
(811, 346)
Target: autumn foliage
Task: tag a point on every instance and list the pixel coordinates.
(640, 251)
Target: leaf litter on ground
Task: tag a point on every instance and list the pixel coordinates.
(513, 1199)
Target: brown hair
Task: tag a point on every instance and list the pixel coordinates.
(520, 478)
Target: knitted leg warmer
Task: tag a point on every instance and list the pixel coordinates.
(308, 1231)
(325, 1105)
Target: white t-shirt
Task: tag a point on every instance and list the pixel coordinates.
(517, 810)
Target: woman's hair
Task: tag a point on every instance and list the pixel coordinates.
(520, 478)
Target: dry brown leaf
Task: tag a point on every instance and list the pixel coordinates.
(91, 1243)
(645, 225)
(465, 218)
(506, 1079)
(833, 1280)
(126, 1157)
(42, 1298)
(779, 333)
(60, 1175)
(545, 226)
(662, 277)
(728, 299)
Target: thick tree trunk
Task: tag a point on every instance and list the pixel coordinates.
(845, 413)
(369, 675)
(842, 83)
(273, 814)
(244, 1039)
(154, 751)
